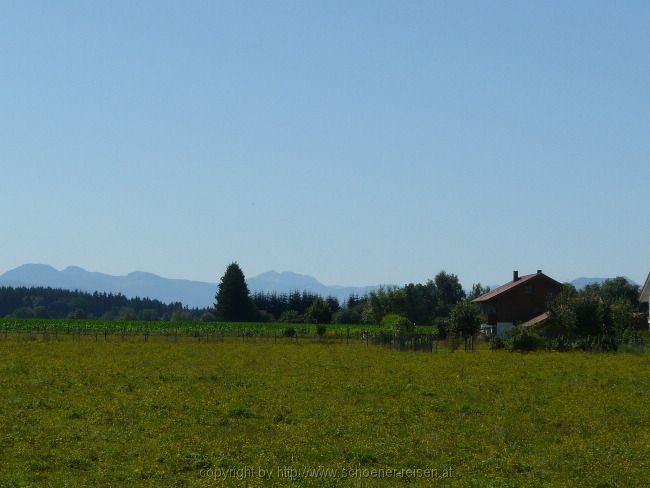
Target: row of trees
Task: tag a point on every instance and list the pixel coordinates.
(294, 307)
(40, 302)
(602, 316)
(428, 303)
(419, 303)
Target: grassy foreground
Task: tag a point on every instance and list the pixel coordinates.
(85, 413)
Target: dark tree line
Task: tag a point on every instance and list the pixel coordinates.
(294, 306)
(39, 302)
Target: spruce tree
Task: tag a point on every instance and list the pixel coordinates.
(233, 302)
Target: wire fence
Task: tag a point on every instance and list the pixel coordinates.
(402, 342)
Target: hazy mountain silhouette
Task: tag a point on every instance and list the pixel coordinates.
(141, 284)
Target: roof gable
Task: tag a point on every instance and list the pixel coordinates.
(540, 319)
(510, 286)
(645, 291)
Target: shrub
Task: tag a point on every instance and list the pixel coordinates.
(347, 316)
(442, 325)
(465, 319)
(524, 339)
(264, 316)
(320, 330)
(208, 317)
(289, 332)
(397, 324)
(496, 342)
(319, 312)
(23, 313)
(290, 317)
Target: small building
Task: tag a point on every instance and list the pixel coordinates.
(645, 295)
(524, 300)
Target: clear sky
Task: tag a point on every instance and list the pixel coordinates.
(360, 142)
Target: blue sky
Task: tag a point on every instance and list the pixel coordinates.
(359, 142)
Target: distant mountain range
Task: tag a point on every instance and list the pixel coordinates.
(191, 293)
(141, 284)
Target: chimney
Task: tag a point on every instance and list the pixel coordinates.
(515, 275)
(539, 271)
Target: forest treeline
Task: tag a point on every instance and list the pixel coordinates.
(424, 304)
(41, 302)
(427, 303)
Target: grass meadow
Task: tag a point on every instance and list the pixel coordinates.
(76, 412)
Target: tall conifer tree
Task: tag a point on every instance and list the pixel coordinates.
(233, 302)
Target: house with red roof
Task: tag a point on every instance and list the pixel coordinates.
(522, 301)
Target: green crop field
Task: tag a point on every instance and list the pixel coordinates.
(217, 329)
(80, 412)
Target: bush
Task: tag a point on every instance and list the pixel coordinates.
(320, 330)
(524, 339)
(465, 319)
(208, 317)
(397, 324)
(289, 332)
(319, 312)
(23, 313)
(497, 342)
(264, 316)
(442, 325)
(290, 317)
(347, 316)
(622, 340)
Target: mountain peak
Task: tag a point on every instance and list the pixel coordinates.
(268, 276)
(34, 266)
(287, 279)
(142, 274)
(28, 270)
(74, 269)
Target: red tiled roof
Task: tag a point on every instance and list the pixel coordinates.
(536, 320)
(503, 288)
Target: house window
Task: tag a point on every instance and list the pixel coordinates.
(550, 294)
(529, 289)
